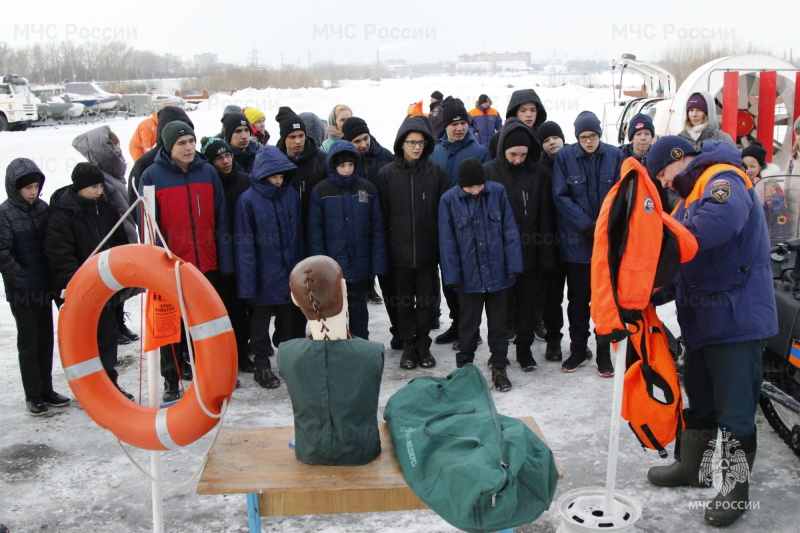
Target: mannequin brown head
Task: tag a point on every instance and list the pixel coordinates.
(316, 284)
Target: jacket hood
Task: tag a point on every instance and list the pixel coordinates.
(534, 152)
(419, 124)
(314, 127)
(526, 95)
(270, 161)
(97, 148)
(713, 122)
(22, 166)
(345, 182)
(169, 114)
(713, 152)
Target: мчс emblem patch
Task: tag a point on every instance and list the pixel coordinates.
(720, 190)
(649, 204)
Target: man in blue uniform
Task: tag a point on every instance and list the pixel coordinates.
(726, 310)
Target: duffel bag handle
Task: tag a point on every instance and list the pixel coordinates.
(458, 409)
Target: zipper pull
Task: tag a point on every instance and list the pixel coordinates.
(198, 206)
(423, 195)
(494, 499)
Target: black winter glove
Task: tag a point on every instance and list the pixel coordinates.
(511, 275)
(588, 233)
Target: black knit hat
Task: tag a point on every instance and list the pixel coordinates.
(213, 147)
(344, 156)
(453, 110)
(85, 175)
(757, 152)
(27, 179)
(640, 122)
(471, 172)
(437, 95)
(517, 137)
(174, 131)
(353, 127)
(549, 129)
(587, 121)
(289, 121)
(231, 121)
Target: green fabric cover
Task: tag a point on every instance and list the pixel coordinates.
(334, 388)
(478, 470)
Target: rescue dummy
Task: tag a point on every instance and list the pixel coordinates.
(333, 378)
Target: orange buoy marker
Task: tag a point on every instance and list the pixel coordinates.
(149, 267)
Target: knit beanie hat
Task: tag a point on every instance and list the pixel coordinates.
(665, 151)
(253, 115)
(230, 108)
(213, 147)
(517, 137)
(437, 95)
(85, 175)
(345, 156)
(453, 110)
(756, 151)
(27, 179)
(173, 131)
(549, 129)
(697, 100)
(640, 122)
(231, 121)
(587, 121)
(288, 121)
(471, 172)
(353, 127)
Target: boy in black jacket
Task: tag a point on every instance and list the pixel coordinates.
(23, 222)
(409, 189)
(80, 217)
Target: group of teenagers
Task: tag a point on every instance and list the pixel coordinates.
(502, 226)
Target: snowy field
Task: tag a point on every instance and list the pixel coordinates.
(62, 474)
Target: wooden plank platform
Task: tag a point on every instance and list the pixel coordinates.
(260, 461)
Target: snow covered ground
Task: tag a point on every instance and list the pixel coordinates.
(63, 474)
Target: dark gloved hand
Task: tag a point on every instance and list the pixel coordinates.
(588, 233)
(454, 286)
(512, 275)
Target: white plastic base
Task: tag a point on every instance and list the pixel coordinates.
(583, 510)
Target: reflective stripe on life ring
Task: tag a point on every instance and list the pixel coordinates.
(149, 267)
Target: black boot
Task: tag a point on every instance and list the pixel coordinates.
(500, 379)
(425, 358)
(604, 366)
(525, 358)
(408, 360)
(450, 335)
(172, 392)
(695, 444)
(578, 357)
(553, 352)
(266, 378)
(733, 499)
(121, 315)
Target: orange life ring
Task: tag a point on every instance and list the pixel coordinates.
(146, 266)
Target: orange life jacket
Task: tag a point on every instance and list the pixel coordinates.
(651, 398)
(637, 251)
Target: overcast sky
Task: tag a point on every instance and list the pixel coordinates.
(417, 31)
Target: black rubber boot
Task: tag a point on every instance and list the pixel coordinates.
(525, 358)
(553, 351)
(695, 444)
(425, 358)
(604, 366)
(450, 335)
(733, 499)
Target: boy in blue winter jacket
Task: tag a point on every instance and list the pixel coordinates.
(23, 223)
(345, 223)
(268, 244)
(481, 255)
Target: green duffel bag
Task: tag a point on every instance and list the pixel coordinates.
(478, 470)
